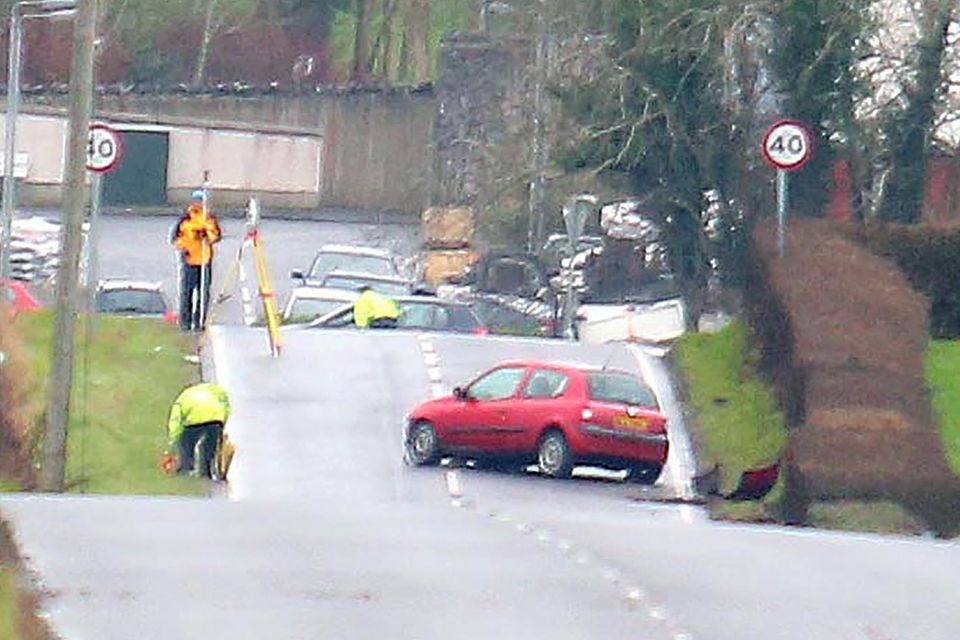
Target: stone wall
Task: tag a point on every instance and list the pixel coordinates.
(376, 144)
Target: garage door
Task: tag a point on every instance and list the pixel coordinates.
(141, 178)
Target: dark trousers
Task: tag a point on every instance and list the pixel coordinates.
(202, 439)
(383, 323)
(190, 277)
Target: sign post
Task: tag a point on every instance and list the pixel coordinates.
(104, 152)
(787, 146)
(575, 212)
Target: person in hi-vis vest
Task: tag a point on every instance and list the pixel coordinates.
(194, 236)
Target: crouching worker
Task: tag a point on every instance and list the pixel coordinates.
(197, 418)
(375, 310)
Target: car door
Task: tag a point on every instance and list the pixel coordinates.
(541, 403)
(486, 424)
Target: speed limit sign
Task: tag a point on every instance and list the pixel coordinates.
(787, 145)
(104, 148)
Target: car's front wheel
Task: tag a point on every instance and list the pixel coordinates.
(423, 446)
(553, 456)
(645, 473)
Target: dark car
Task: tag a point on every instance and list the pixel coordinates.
(556, 415)
(352, 258)
(503, 319)
(133, 298)
(422, 313)
(387, 285)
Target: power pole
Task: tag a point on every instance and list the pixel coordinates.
(71, 240)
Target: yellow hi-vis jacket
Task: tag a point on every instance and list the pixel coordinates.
(195, 235)
(372, 306)
(197, 404)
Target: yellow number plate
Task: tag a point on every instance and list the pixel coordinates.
(633, 423)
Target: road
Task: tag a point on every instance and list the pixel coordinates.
(325, 533)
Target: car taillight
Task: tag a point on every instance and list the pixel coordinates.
(170, 316)
(481, 331)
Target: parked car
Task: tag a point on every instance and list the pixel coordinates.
(306, 304)
(421, 313)
(392, 286)
(18, 296)
(352, 258)
(503, 319)
(555, 415)
(133, 298)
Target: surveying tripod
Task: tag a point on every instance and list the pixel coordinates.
(237, 276)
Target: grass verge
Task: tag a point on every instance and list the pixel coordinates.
(125, 378)
(738, 422)
(18, 601)
(942, 367)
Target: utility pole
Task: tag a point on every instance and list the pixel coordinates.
(71, 239)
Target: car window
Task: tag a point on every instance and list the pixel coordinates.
(338, 319)
(545, 383)
(131, 301)
(620, 387)
(351, 284)
(324, 263)
(305, 309)
(417, 315)
(497, 385)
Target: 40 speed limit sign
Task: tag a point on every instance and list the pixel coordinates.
(787, 145)
(104, 148)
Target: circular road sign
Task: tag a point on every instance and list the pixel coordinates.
(104, 148)
(787, 145)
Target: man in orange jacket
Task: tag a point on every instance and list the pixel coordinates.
(194, 237)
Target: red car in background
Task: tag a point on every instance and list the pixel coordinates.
(556, 415)
(17, 295)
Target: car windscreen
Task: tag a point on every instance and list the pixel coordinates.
(352, 284)
(131, 301)
(608, 386)
(324, 263)
(504, 320)
(306, 309)
(439, 317)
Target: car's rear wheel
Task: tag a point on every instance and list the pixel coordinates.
(553, 456)
(423, 445)
(645, 473)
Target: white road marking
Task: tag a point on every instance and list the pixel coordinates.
(437, 390)
(432, 359)
(453, 484)
(657, 613)
(634, 594)
(435, 374)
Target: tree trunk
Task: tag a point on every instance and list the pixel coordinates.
(362, 49)
(417, 44)
(910, 134)
(208, 30)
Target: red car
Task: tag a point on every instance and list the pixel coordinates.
(17, 295)
(556, 415)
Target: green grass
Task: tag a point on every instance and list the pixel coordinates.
(943, 378)
(873, 517)
(736, 414)
(123, 385)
